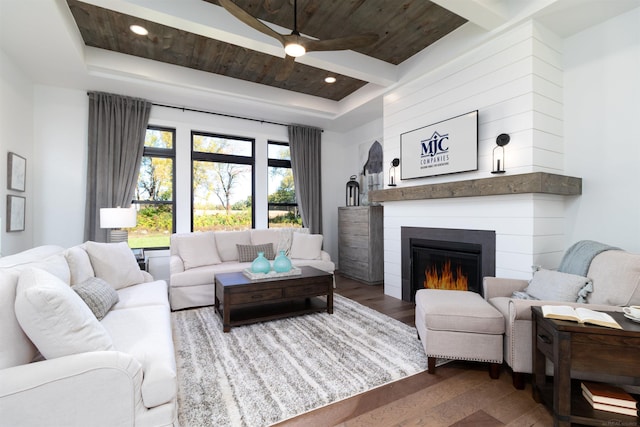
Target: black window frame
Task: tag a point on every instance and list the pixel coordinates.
(226, 158)
(165, 153)
(279, 163)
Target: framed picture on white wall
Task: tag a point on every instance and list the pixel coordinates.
(15, 213)
(16, 172)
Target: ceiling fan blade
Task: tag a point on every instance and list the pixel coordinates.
(251, 21)
(285, 69)
(342, 43)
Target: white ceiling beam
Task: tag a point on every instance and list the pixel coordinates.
(205, 19)
(487, 14)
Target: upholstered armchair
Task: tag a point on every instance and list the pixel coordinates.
(615, 277)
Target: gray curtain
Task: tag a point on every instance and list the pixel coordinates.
(304, 143)
(117, 127)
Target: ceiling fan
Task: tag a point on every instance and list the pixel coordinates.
(295, 44)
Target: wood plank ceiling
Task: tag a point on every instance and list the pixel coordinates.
(405, 28)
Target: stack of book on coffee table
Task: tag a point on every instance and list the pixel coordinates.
(606, 397)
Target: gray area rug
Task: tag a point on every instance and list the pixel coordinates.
(264, 373)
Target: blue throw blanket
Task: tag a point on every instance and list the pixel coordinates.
(579, 256)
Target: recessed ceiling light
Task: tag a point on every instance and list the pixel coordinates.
(330, 79)
(139, 30)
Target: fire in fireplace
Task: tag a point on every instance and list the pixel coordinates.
(436, 258)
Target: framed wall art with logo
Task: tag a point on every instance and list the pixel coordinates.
(449, 146)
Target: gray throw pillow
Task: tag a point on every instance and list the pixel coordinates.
(98, 295)
(552, 285)
(247, 253)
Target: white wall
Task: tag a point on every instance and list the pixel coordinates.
(515, 82)
(60, 165)
(16, 130)
(602, 135)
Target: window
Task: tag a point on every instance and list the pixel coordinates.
(154, 196)
(283, 209)
(222, 182)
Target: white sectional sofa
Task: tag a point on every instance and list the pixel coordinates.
(197, 257)
(60, 365)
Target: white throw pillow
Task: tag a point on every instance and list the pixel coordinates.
(115, 264)
(198, 249)
(226, 242)
(79, 264)
(55, 318)
(552, 285)
(306, 246)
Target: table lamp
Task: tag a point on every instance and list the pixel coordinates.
(117, 219)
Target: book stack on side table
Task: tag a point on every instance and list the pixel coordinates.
(606, 397)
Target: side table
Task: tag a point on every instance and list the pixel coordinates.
(581, 351)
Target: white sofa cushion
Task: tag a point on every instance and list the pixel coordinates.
(264, 236)
(55, 318)
(115, 264)
(145, 334)
(97, 294)
(198, 249)
(79, 264)
(226, 242)
(306, 246)
(148, 293)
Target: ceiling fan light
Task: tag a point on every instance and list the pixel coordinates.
(295, 50)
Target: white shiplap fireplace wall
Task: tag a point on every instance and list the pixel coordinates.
(514, 80)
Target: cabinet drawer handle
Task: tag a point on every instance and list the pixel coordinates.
(545, 339)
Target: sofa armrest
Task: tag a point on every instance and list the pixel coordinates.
(502, 287)
(176, 265)
(325, 256)
(147, 277)
(95, 388)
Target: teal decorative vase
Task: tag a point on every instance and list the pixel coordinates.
(282, 264)
(260, 264)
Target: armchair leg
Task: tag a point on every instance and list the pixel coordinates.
(494, 370)
(431, 365)
(518, 380)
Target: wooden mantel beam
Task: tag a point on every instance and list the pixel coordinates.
(535, 182)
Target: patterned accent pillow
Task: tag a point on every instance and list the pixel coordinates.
(247, 253)
(98, 295)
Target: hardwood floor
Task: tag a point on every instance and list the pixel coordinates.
(458, 394)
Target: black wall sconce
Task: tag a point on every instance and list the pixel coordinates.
(498, 153)
(392, 172)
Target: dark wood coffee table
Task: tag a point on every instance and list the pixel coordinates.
(240, 300)
(580, 351)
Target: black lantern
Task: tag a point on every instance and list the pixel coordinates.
(353, 192)
(498, 153)
(392, 172)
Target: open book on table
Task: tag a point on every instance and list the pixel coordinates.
(580, 315)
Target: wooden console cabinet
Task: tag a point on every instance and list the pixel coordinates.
(361, 243)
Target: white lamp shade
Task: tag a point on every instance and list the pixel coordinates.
(118, 217)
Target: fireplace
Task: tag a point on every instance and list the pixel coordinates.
(443, 258)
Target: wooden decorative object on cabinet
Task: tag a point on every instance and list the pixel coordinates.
(361, 243)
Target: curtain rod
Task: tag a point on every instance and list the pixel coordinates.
(219, 114)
